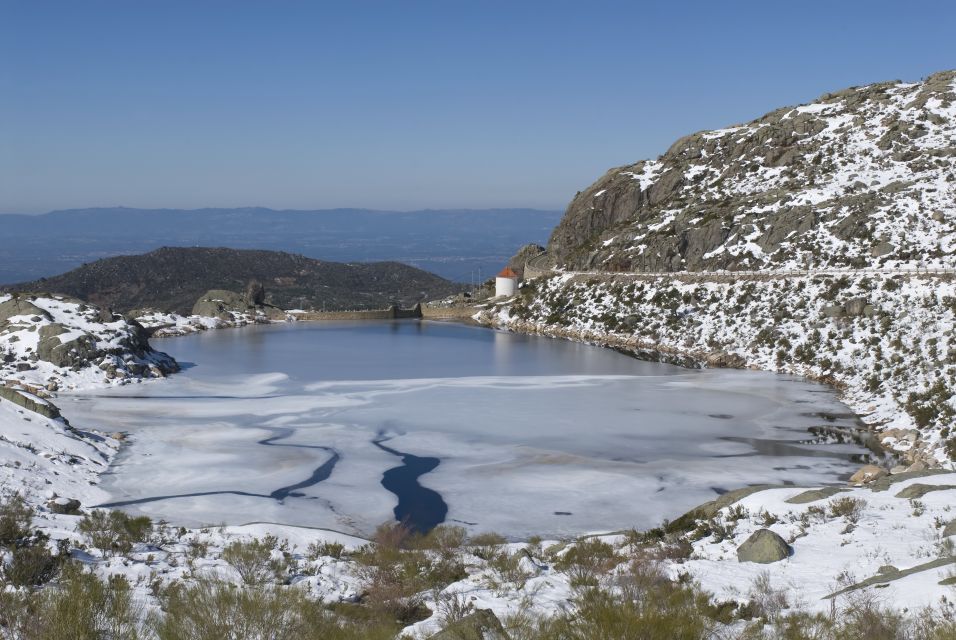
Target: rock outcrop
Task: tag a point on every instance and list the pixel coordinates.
(45, 339)
(861, 177)
(868, 473)
(29, 402)
(764, 547)
(226, 305)
(483, 624)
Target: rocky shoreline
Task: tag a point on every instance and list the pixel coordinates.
(888, 365)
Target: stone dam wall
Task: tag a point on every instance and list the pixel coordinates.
(391, 313)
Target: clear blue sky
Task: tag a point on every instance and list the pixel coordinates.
(405, 104)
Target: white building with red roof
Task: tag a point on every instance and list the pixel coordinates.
(506, 283)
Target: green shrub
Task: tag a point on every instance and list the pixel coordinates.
(644, 605)
(443, 539)
(396, 569)
(83, 607)
(317, 550)
(15, 519)
(485, 545)
(209, 610)
(847, 507)
(586, 560)
(32, 565)
(114, 531)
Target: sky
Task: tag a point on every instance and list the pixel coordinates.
(407, 104)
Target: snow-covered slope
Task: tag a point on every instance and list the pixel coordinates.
(44, 458)
(859, 178)
(48, 343)
(51, 342)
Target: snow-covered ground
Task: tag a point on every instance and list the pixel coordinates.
(54, 342)
(164, 325)
(882, 538)
(50, 344)
(45, 459)
(890, 534)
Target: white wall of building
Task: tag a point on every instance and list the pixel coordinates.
(506, 287)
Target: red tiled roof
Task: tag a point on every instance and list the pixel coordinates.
(507, 273)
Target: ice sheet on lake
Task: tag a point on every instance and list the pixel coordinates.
(522, 454)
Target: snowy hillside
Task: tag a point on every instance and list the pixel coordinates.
(864, 177)
(43, 458)
(49, 343)
(53, 342)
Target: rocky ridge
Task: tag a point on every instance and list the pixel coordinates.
(52, 342)
(864, 177)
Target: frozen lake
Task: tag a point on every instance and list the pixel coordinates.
(300, 424)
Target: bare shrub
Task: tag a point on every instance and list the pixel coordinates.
(767, 600)
(848, 508)
(452, 607)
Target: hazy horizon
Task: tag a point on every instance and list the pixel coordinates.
(531, 210)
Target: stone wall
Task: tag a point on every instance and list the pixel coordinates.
(392, 313)
(453, 312)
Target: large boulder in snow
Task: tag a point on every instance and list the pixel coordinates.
(834, 311)
(65, 506)
(18, 306)
(30, 402)
(950, 529)
(855, 307)
(813, 495)
(868, 473)
(77, 351)
(483, 624)
(764, 546)
(917, 490)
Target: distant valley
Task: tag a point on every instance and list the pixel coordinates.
(454, 244)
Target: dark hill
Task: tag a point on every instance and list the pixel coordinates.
(172, 279)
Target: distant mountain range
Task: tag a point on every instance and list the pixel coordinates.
(174, 278)
(452, 243)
